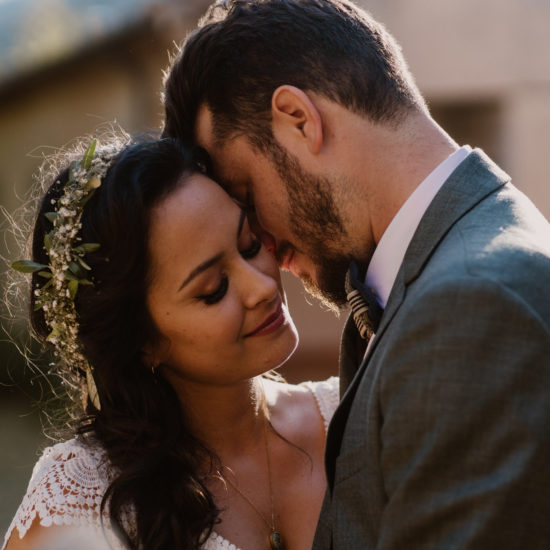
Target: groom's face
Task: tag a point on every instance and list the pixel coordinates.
(294, 211)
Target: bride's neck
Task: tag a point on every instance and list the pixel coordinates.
(229, 419)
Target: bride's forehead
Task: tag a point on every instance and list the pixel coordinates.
(199, 212)
(197, 193)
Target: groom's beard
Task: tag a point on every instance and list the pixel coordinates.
(330, 288)
(318, 228)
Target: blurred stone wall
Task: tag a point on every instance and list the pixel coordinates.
(485, 69)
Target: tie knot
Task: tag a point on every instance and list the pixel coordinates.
(365, 308)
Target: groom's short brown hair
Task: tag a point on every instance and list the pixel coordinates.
(244, 49)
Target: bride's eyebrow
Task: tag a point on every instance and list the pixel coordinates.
(209, 263)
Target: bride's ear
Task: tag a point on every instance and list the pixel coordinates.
(151, 358)
(297, 123)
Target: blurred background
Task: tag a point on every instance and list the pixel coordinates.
(68, 67)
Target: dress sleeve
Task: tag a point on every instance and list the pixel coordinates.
(327, 396)
(66, 489)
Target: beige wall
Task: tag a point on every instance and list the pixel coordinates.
(121, 82)
(490, 52)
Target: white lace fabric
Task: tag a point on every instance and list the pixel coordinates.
(327, 396)
(69, 480)
(66, 488)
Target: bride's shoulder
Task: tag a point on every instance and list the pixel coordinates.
(66, 487)
(303, 401)
(80, 459)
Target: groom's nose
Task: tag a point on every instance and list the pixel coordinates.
(268, 240)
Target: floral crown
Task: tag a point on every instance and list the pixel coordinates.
(67, 269)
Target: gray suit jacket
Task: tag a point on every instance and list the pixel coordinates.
(442, 438)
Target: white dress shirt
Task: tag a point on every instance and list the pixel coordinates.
(391, 248)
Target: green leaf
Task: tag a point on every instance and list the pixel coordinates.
(86, 161)
(45, 274)
(48, 240)
(73, 289)
(70, 276)
(86, 198)
(53, 334)
(85, 282)
(49, 283)
(77, 270)
(28, 266)
(86, 248)
(52, 216)
(93, 183)
(84, 264)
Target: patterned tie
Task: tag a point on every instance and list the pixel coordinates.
(365, 308)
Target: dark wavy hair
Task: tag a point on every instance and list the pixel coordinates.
(244, 49)
(141, 426)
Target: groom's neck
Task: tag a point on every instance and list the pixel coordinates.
(395, 162)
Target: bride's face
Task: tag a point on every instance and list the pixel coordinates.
(215, 295)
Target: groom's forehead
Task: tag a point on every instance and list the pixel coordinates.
(228, 163)
(205, 138)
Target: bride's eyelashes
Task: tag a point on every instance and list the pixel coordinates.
(218, 294)
(252, 250)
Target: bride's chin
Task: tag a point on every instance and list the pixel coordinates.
(291, 343)
(279, 351)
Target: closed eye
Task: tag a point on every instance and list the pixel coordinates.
(218, 294)
(253, 250)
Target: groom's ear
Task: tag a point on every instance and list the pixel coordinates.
(296, 120)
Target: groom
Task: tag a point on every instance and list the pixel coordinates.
(312, 120)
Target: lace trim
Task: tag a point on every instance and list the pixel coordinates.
(217, 542)
(66, 488)
(327, 396)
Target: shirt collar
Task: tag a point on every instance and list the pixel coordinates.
(393, 244)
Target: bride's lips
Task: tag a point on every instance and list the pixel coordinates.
(271, 323)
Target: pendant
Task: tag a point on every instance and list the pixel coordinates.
(275, 541)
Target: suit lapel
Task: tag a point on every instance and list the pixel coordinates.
(473, 180)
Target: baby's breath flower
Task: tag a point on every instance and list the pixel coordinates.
(65, 273)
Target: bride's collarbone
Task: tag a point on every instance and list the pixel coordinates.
(298, 486)
(296, 512)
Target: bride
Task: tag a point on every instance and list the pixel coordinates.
(166, 315)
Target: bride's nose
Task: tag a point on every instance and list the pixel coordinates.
(257, 286)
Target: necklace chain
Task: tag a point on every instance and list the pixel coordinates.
(275, 541)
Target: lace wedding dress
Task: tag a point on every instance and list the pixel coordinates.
(69, 480)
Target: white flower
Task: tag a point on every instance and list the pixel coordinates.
(66, 213)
